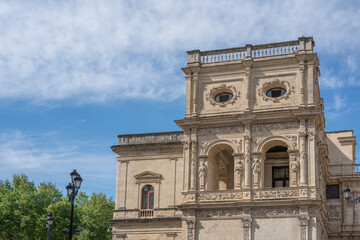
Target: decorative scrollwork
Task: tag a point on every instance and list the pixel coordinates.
(273, 84)
(210, 96)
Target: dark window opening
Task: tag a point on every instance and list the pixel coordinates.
(280, 176)
(276, 92)
(223, 97)
(277, 149)
(332, 192)
(147, 197)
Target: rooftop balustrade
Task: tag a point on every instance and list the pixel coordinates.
(302, 45)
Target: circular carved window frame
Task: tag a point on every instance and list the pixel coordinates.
(275, 83)
(223, 88)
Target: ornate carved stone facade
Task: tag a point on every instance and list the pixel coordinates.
(252, 160)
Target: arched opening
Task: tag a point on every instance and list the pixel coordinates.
(220, 168)
(147, 201)
(276, 166)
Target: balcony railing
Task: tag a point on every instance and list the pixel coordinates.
(146, 213)
(302, 45)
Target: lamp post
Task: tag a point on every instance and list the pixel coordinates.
(347, 196)
(49, 222)
(72, 190)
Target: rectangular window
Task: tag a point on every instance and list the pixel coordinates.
(280, 176)
(332, 192)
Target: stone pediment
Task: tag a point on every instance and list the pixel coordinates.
(148, 176)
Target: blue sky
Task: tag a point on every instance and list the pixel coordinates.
(75, 74)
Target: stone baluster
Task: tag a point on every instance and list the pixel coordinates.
(303, 159)
(193, 165)
(238, 170)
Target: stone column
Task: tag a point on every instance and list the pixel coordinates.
(188, 96)
(304, 224)
(302, 83)
(193, 166)
(195, 80)
(247, 175)
(246, 228)
(238, 170)
(294, 168)
(202, 173)
(256, 169)
(191, 224)
(303, 159)
(248, 64)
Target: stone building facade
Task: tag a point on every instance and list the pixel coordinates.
(252, 160)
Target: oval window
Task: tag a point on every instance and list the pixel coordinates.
(275, 92)
(223, 97)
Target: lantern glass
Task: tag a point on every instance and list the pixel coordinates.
(347, 192)
(69, 189)
(77, 181)
(73, 175)
(50, 219)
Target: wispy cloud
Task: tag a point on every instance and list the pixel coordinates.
(43, 157)
(96, 51)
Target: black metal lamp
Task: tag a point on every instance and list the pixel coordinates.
(49, 222)
(72, 190)
(347, 196)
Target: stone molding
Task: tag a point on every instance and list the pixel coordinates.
(274, 83)
(210, 96)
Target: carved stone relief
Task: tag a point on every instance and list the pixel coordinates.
(333, 212)
(293, 139)
(274, 84)
(275, 126)
(278, 194)
(210, 96)
(191, 229)
(224, 130)
(275, 211)
(220, 196)
(219, 213)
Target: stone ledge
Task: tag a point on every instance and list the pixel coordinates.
(144, 220)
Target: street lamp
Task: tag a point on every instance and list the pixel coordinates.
(49, 222)
(72, 190)
(347, 196)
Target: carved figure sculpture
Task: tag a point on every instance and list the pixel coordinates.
(294, 168)
(239, 171)
(256, 170)
(202, 174)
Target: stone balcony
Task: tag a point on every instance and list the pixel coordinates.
(146, 213)
(292, 193)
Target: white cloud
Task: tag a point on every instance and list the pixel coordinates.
(43, 157)
(96, 51)
(339, 102)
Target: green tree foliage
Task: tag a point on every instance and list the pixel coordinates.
(24, 208)
(95, 213)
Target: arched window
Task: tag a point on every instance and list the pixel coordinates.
(277, 167)
(147, 197)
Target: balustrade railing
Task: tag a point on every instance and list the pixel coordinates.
(223, 55)
(303, 44)
(275, 49)
(357, 168)
(146, 213)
